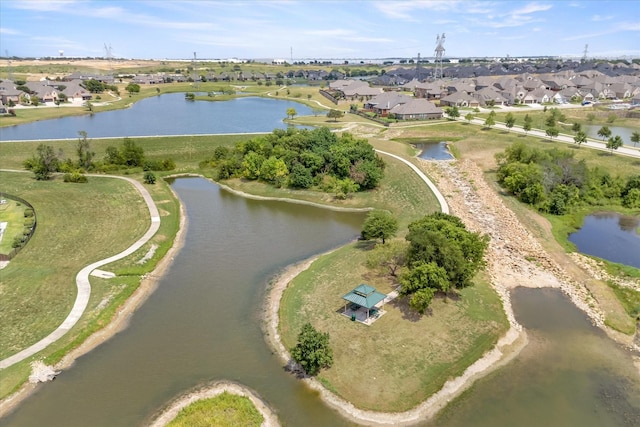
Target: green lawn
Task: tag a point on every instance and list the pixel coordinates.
(223, 410)
(12, 213)
(402, 358)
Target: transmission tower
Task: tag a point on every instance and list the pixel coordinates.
(108, 53)
(196, 78)
(418, 73)
(438, 56)
(10, 75)
(584, 54)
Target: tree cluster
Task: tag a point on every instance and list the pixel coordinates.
(303, 159)
(47, 161)
(442, 256)
(554, 182)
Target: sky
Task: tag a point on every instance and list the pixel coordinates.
(318, 29)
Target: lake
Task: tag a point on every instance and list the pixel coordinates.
(610, 236)
(167, 114)
(623, 132)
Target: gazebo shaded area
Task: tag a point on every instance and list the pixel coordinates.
(364, 304)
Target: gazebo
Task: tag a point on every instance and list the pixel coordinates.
(363, 296)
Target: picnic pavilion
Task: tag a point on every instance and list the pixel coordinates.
(362, 304)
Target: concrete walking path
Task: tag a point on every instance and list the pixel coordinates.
(82, 280)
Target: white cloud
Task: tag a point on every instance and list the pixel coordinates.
(531, 8)
(600, 18)
(404, 9)
(42, 6)
(9, 31)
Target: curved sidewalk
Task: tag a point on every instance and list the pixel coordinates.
(82, 281)
(444, 207)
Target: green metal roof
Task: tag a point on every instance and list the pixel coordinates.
(364, 296)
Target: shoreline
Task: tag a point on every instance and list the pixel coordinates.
(211, 390)
(119, 322)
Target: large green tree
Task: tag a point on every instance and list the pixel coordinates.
(614, 143)
(379, 224)
(604, 132)
(44, 163)
(335, 114)
(580, 137)
(443, 239)
(312, 351)
(509, 120)
(85, 155)
(635, 138)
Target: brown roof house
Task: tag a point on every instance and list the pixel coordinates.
(417, 109)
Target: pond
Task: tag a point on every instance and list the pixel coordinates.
(569, 374)
(610, 236)
(623, 132)
(167, 114)
(203, 323)
(434, 150)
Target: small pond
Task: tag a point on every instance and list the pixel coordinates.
(610, 236)
(623, 132)
(434, 150)
(167, 114)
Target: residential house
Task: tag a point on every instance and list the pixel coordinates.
(383, 103)
(417, 109)
(460, 99)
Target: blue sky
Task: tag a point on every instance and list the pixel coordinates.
(318, 29)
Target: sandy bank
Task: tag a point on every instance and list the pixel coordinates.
(212, 390)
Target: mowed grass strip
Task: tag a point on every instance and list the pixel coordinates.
(402, 358)
(77, 224)
(224, 410)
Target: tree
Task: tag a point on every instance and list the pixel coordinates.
(576, 127)
(131, 154)
(551, 121)
(390, 256)
(312, 351)
(527, 123)
(490, 121)
(635, 138)
(133, 88)
(468, 117)
(149, 177)
(604, 132)
(85, 155)
(552, 132)
(509, 120)
(35, 101)
(379, 225)
(94, 86)
(580, 137)
(453, 112)
(614, 143)
(44, 163)
(335, 114)
(291, 112)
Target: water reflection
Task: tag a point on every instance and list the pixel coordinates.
(434, 150)
(610, 236)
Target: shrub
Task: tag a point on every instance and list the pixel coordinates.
(28, 213)
(149, 178)
(75, 176)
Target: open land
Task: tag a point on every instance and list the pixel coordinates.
(518, 256)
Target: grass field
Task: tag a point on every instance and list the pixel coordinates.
(77, 224)
(402, 358)
(12, 213)
(224, 410)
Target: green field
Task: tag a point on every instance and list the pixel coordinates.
(224, 410)
(12, 213)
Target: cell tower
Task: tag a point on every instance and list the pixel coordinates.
(584, 54)
(438, 56)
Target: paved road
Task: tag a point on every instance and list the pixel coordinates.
(82, 280)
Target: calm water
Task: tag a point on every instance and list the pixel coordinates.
(434, 151)
(610, 236)
(167, 114)
(570, 374)
(203, 321)
(623, 132)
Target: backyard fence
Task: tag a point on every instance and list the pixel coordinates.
(14, 251)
